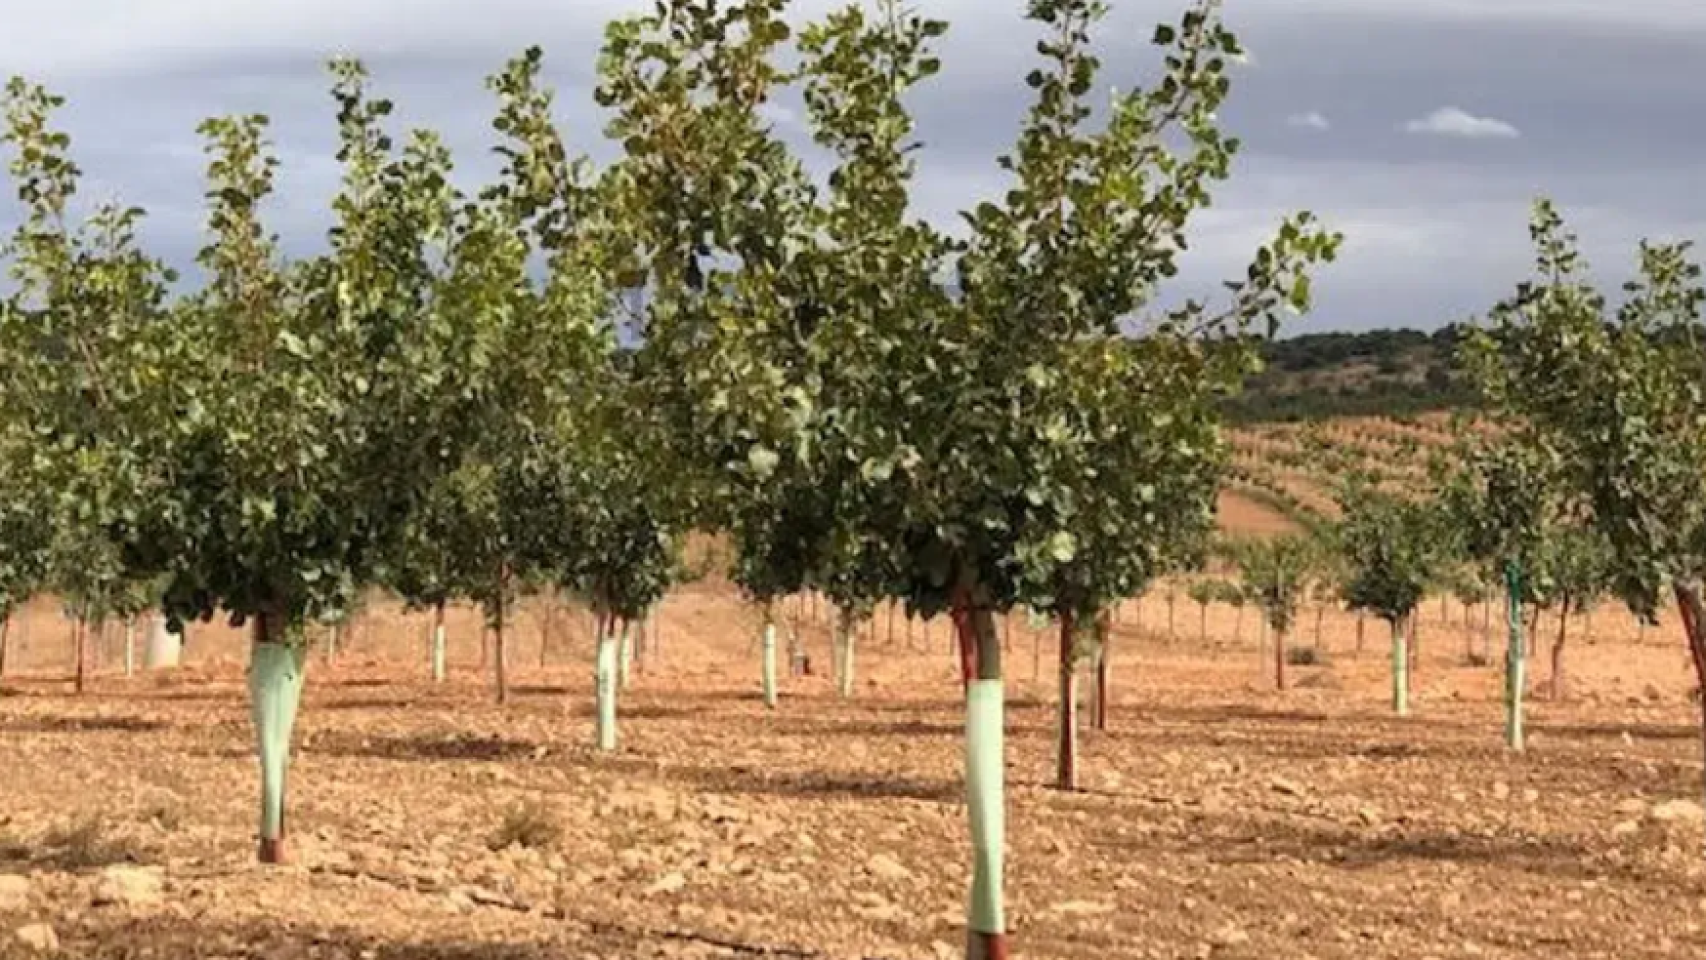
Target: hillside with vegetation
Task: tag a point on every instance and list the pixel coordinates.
(1388, 372)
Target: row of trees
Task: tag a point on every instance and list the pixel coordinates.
(545, 382)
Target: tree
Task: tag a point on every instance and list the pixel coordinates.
(1616, 401)
(1576, 575)
(994, 426)
(1203, 593)
(80, 342)
(1390, 557)
(298, 440)
(24, 529)
(1276, 571)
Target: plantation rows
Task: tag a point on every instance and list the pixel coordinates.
(546, 385)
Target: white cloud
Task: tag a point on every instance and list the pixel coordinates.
(1313, 120)
(1454, 122)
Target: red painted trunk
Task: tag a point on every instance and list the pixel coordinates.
(1694, 622)
(967, 642)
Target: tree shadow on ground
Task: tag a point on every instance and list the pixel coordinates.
(1243, 842)
(118, 936)
(880, 728)
(366, 703)
(1636, 731)
(818, 785)
(61, 724)
(420, 747)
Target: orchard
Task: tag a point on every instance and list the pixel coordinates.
(682, 554)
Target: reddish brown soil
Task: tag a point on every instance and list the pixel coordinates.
(1218, 818)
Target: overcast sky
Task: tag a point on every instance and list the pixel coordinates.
(1422, 128)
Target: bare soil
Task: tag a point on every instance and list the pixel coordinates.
(1219, 818)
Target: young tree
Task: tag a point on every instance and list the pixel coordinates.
(80, 338)
(296, 443)
(1389, 553)
(1203, 593)
(993, 427)
(24, 528)
(1616, 400)
(1276, 571)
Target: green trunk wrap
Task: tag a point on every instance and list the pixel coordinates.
(276, 673)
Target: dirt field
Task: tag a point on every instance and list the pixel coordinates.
(1219, 818)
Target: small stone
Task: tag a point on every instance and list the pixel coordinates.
(130, 886)
(668, 883)
(1082, 908)
(1287, 787)
(888, 868)
(1501, 790)
(1229, 935)
(14, 891)
(38, 937)
(1677, 811)
(1625, 828)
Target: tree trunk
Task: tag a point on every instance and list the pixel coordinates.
(500, 646)
(892, 606)
(604, 683)
(1400, 670)
(1361, 620)
(5, 637)
(968, 647)
(1693, 611)
(1279, 661)
(1066, 746)
(845, 634)
(438, 665)
(1516, 659)
(1487, 629)
(330, 651)
(986, 931)
(1414, 621)
(1559, 687)
(1202, 625)
(129, 647)
(1104, 662)
(767, 659)
(1320, 613)
(80, 645)
(1238, 626)
(277, 667)
(1036, 655)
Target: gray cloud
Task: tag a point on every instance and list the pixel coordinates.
(1436, 225)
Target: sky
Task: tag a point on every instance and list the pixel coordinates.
(1422, 129)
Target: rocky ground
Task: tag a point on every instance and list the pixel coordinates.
(1217, 819)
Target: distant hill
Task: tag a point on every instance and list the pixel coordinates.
(1374, 373)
